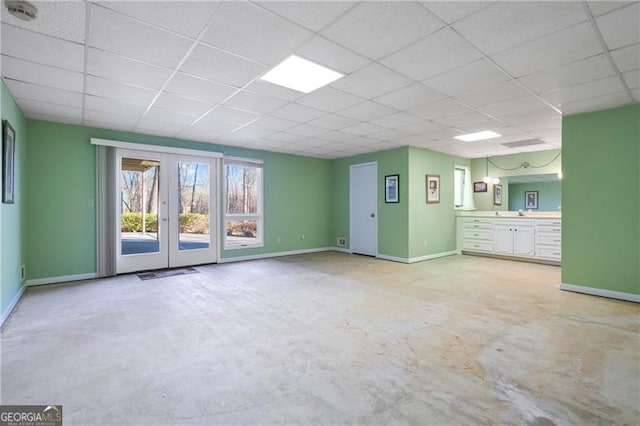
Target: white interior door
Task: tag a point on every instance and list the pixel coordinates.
(166, 211)
(363, 208)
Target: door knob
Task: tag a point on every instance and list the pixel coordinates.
(372, 215)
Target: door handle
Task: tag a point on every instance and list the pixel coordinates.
(164, 219)
(372, 215)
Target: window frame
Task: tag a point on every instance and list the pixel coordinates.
(464, 177)
(258, 216)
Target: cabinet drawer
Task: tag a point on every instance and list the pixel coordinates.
(549, 229)
(477, 234)
(549, 252)
(477, 245)
(549, 239)
(474, 220)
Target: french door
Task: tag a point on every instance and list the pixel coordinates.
(166, 211)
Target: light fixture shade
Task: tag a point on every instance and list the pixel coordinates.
(560, 174)
(301, 75)
(495, 180)
(486, 179)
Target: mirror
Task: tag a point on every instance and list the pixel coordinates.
(534, 192)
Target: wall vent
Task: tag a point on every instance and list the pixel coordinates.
(341, 241)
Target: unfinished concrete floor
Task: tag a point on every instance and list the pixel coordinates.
(327, 338)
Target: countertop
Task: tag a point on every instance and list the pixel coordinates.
(512, 215)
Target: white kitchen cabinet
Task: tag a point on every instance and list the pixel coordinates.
(514, 238)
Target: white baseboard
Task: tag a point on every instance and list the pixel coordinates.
(416, 259)
(62, 279)
(629, 297)
(433, 256)
(12, 305)
(341, 250)
(275, 254)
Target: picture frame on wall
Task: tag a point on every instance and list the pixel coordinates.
(497, 195)
(433, 189)
(392, 189)
(531, 200)
(8, 156)
(479, 187)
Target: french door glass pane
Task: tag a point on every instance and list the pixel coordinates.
(193, 205)
(139, 206)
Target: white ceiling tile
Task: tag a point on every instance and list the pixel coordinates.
(396, 120)
(557, 49)
(43, 94)
(596, 104)
(367, 111)
(601, 7)
(199, 88)
(333, 122)
(183, 17)
(59, 19)
(255, 102)
(376, 29)
(180, 104)
(118, 34)
(273, 123)
(329, 99)
(569, 75)
(632, 78)
(214, 127)
(372, 81)
(38, 48)
(284, 137)
(120, 120)
(46, 108)
(251, 133)
(451, 11)
(388, 134)
(216, 65)
(307, 130)
(111, 125)
(197, 135)
(627, 58)
(363, 129)
(621, 27)
(501, 92)
(236, 24)
(337, 136)
(232, 115)
(410, 96)
(112, 106)
(297, 113)
(636, 95)
(457, 120)
(421, 127)
(467, 78)
(439, 109)
(114, 67)
(326, 53)
(158, 128)
(506, 24)
(582, 91)
(529, 103)
(54, 118)
(43, 75)
(122, 92)
(535, 116)
(440, 52)
(313, 15)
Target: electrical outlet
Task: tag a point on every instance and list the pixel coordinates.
(91, 203)
(302, 237)
(425, 243)
(279, 240)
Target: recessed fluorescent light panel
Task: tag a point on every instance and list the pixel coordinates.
(301, 75)
(478, 136)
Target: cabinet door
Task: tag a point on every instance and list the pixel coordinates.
(523, 241)
(503, 241)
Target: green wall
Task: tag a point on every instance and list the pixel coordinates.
(61, 235)
(549, 195)
(601, 200)
(393, 219)
(484, 200)
(13, 226)
(433, 223)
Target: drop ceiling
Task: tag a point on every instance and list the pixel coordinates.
(416, 73)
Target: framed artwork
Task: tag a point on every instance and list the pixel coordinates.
(433, 189)
(497, 195)
(531, 200)
(8, 154)
(392, 189)
(479, 187)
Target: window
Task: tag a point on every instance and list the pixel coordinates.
(462, 189)
(458, 187)
(243, 203)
